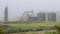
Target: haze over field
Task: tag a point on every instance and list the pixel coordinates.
(17, 7)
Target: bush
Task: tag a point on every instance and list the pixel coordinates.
(2, 31)
(58, 28)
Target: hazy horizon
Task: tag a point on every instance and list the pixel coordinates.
(17, 7)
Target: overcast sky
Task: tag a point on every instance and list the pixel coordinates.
(17, 7)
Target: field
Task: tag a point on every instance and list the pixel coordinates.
(35, 28)
(38, 32)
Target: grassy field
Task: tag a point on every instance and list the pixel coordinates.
(39, 32)
(35, 24)
(30, 28)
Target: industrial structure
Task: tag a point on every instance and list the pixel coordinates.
(41, 16)
(33, 18)
(51, 16)
(27, 14)
(6, 13)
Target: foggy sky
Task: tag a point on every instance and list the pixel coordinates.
(17, 7)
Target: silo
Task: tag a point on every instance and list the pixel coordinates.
(41, 16)
(51, 16)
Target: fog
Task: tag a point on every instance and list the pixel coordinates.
(17, 7)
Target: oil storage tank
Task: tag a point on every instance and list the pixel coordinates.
(41, 16)
(51, 16)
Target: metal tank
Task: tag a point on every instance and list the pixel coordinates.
(51, 16)
(41, 16)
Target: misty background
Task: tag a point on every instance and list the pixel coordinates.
(17, 7)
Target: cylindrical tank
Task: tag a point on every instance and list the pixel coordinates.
(51, 16)
(41, 16)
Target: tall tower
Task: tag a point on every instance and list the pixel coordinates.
(6, 13)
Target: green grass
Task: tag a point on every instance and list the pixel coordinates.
(22, 28)
(30, 27)
(38, 32)
(28, 33)
(50, 32)
(34, 24)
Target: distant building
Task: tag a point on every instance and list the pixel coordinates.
(32, 18)
(6, 14)
(51, 16)
(41, 16)
(27, 15)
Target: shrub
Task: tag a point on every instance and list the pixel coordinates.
(58, 28)
(2, 31)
